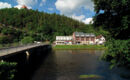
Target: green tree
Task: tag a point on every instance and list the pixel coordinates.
(118, 53)
(114, 16)
(4, 40)
(27, 40)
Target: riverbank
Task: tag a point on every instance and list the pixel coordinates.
(70, 47)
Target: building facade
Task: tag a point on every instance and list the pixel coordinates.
(63, 40)
(80, 38)
(83, 38)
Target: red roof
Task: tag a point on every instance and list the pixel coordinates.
(25, 7)
(98, 37)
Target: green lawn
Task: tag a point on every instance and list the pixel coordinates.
(79, 47)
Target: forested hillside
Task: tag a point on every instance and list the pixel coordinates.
(18, 25)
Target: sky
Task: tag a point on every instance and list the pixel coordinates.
(81, 10)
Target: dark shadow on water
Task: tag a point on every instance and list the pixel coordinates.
(47, 70)
(25, 71)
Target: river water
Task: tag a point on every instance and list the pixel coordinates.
(76, 65)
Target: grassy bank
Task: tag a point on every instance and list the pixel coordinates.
(67, 47)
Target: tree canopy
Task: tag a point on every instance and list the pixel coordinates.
(114, 16)
(19, 23)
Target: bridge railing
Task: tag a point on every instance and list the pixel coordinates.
(6, 51)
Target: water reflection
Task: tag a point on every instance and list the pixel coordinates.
(72, 64)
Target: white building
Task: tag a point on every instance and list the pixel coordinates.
(63, 40)
(100, 40)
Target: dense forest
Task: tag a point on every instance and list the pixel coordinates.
(23, 25)
(114, 16)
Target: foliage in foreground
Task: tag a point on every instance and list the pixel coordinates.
(7, 70)
(113, 16)
(118, 53)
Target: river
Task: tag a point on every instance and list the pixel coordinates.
(76, 65)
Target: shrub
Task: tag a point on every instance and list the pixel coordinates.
(118, 52)
(7, 70)
(27, 40)
(3, 39)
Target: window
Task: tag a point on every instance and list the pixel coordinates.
(92, 38)
(87, 38)
(82, 38)
(77, 38)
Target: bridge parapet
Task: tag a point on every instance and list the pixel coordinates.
(8, 51)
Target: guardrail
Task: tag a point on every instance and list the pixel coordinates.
(6, 51)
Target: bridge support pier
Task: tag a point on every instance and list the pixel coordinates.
(27, 55)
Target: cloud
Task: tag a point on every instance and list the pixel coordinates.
(79, 18)
(42, 2)
(72, 8)
(88, 20)
(68, 7)
(82, 18)
(5, 5)
(28, 3)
